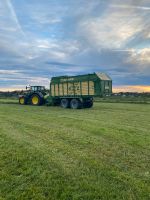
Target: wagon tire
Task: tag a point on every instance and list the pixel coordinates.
(90, 104)
(65, 103)
(75, 104)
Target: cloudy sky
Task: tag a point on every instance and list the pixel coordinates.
(44, 38)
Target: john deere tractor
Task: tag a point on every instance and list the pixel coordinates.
(34, 95)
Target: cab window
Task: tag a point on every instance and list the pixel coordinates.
(35, 88)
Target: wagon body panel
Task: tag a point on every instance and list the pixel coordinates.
(89, 85)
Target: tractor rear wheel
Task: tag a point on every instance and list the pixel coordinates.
(75, 104)
(36, 100)
(64, 103)
(22, 100)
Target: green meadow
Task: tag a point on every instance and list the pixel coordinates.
(50, 153)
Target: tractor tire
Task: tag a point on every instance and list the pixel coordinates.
(75, 104)
(64, 103)
(22, 101)
(36, 100)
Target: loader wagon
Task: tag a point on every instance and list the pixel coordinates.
(78, 91)
(70, 91)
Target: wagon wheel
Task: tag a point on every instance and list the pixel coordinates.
(75, 104)
(64, 103)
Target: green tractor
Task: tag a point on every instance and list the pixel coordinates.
(34, 95)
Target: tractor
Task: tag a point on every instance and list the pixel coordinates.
(34, 95)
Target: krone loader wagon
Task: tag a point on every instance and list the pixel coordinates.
(78, 91)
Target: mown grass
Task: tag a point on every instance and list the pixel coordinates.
(89, 154)
(8, 100)
(124, 99)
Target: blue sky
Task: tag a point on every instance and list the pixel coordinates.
(44, 38)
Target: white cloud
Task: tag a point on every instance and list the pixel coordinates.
(8, 15)
(112, 29)
(38, 81)
(10, 72)
(124, 6)
(141, 57)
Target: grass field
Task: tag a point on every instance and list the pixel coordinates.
(62, 154)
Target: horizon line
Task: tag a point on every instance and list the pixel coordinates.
(116, 89)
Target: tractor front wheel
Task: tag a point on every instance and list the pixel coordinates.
(36, 100)
(22, 100)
